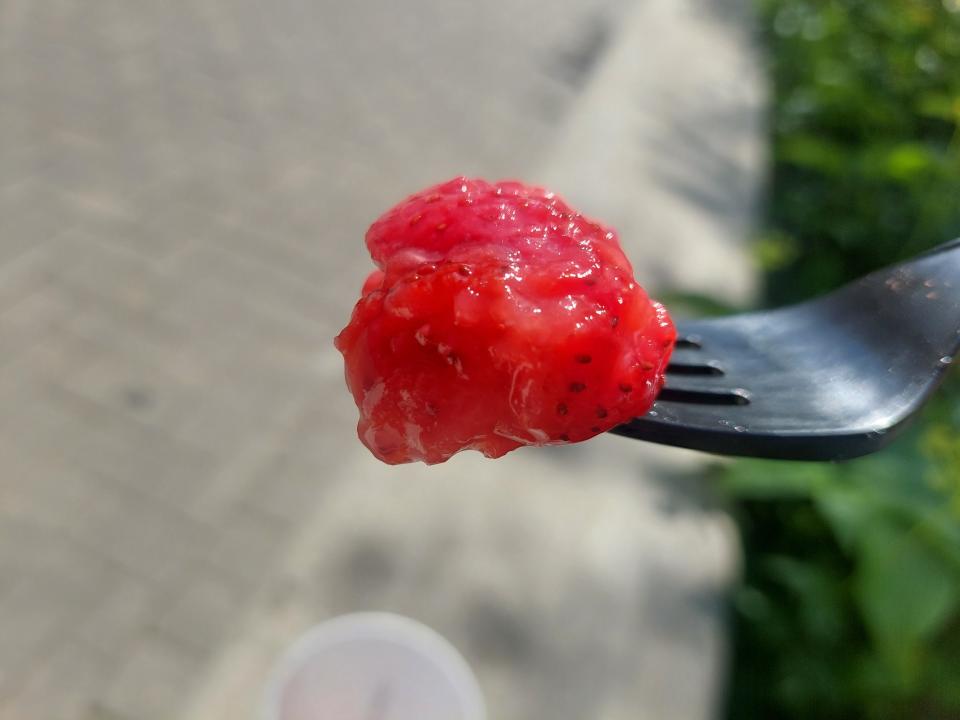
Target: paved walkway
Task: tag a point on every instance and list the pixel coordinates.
(183, 192)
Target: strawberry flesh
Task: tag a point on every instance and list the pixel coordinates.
(498, 317)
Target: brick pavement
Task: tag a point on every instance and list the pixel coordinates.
(183, 188)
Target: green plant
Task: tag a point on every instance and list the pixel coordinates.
(849, 606)
(850, 602)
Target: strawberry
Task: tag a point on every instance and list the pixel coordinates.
(499, 317)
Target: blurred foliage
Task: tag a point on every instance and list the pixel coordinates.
(850, 601)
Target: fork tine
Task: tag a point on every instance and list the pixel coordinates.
(705, 396)
(710, 376)
(710, 367)
(689, 341)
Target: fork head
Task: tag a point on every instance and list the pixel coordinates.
(828, 379)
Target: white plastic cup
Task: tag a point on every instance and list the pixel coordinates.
(373, 666)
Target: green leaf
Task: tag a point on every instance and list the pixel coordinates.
(904, 590)
(908, 161)
(817, 593)
(848, 510)
(939, 105)
(775, 250)
(690, 304)
(766, 479)
(812, 152)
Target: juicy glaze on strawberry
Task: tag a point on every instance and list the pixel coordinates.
(499, 317)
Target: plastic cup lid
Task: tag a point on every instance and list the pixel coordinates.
(372, 666)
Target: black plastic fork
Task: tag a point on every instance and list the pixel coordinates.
(828, 379)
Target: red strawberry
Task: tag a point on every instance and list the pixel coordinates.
(500, 317)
